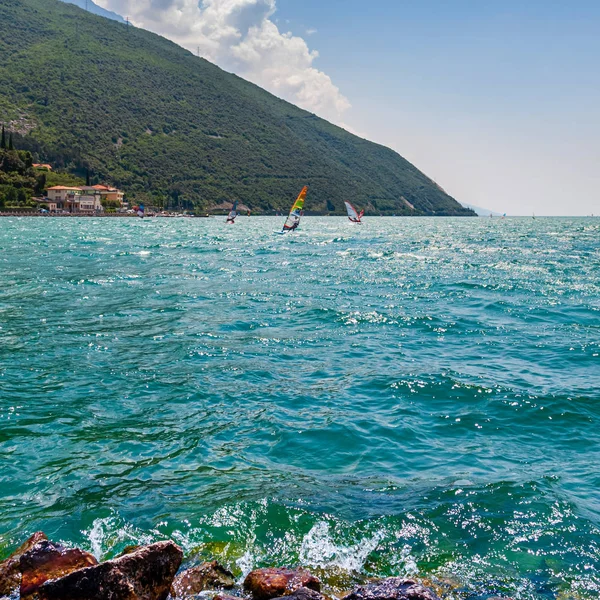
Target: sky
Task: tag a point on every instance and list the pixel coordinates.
(498, 102)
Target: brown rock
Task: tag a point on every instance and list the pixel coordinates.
(47, 560)
(128, 550)
(225, 597)
(265, 584)
(206, 576)
(10, 570)
(146, 574)
(392, 588)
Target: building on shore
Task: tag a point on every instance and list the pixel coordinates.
(83, 199)
(43, 202)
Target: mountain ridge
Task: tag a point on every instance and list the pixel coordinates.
(142, 113)
(93, 8)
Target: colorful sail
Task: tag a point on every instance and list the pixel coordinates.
(353, 215)
(233, 214)
(140, 211)
(296, 212)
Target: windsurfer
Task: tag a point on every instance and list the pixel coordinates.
(233, 214)
(296, 212)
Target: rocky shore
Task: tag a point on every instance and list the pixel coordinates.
(44, 570)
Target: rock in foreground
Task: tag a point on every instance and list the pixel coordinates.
(47, 560)
(303, 593)
(393, 588)
(10, 570)
(207, 576)
(265, 584)
(146, 574)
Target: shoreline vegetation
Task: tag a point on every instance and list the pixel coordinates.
(33, 189)
(44, 570)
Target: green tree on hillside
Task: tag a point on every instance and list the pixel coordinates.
(11, 196)
(40, 184)
(17, 177)
(11, 146)
(3, 140)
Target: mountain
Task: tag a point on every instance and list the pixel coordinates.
(482, 212)
(83, 92)
(95, 9)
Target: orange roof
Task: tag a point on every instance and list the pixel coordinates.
(42, 166)
(62, 187)
(100, 187)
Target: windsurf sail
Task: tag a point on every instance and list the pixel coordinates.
(233, 214)
(140, 211)
(296, 212)
(353, 215)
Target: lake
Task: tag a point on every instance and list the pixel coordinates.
(407, 396)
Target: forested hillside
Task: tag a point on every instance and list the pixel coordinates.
(83, 92)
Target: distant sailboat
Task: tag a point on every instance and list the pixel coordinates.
(296, 212)
(233, 214)
(140, 211)
(353, 215)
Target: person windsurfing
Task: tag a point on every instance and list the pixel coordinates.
(233, 214)
(353, 214)
(296, 212)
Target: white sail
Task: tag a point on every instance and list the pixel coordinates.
(353, 214)
(233, 213)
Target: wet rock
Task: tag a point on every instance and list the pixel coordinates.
(265, 584)
(47, 560)
(128, 550)
(225, 597)
(339, 581)
(146, 574)
(303, 593)
(207, 576)
(392, 588)
(10, 569)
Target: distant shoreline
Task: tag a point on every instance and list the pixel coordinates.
(207, 216)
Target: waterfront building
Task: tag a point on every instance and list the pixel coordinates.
(84, 199)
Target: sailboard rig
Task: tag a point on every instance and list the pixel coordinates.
(296, 212)
(353, 215)
(233, 214)
(140, 211)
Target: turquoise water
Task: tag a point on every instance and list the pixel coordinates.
(413, 396)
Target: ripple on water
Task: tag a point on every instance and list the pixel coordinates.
(418, 397)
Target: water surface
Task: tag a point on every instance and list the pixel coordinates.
(409, 396)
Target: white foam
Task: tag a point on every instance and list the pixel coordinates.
(110, 532)
(318, 549)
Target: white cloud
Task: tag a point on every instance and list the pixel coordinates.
(240, 36)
